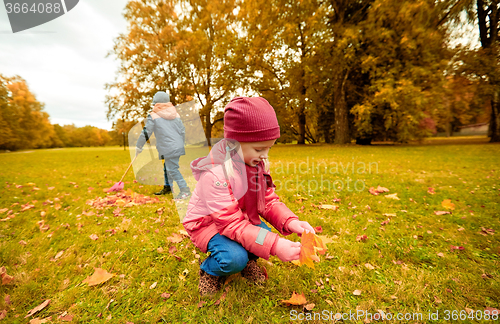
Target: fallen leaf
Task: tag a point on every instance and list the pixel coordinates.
(99, 276)
(392, 196)
(93, 237)
(488, 231)
(201, 303)
(153, 286)
(440, 254)
(431, 191)
(448, 204)
(6, 279)
(165, 296)
(66, 318)
(377, 191)
(361, 238)
(318, 229)
(357, 292)
(369, 266)
(296, 299)
(38, 308)
(333, 207)
(7, 300)
(3, 314)
(309, 307)
(468, 310)
(40, 321)
(439, 213)
(492, 311)
(175, 238)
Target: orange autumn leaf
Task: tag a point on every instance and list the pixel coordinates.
(311, 243)
(99, 276)
(448, 204)
(296, 299)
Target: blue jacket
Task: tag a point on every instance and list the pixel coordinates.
(166, 124)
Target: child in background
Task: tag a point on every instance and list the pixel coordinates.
(234, 190)
(166, 124)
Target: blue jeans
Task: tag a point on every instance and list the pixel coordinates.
(171, 173)
(227, 256)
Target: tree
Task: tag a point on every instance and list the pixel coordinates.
(482, 64)
(151, 61)
(213, 55)
(184, 47)
(284, 40)
(26, 124)
(406, 58)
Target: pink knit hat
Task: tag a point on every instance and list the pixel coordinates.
(250, 119)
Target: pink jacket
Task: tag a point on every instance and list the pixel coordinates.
(230, 208)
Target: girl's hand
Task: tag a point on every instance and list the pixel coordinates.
(299, 227)
(287, 250)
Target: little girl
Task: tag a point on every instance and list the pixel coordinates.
(234, 190)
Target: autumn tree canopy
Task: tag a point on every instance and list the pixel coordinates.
(334, 70)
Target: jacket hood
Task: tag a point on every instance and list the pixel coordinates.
(214, 162)
(165, 111)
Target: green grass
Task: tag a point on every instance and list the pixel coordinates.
(409, 276)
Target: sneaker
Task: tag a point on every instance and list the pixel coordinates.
(164, 191)
(208, 284)
(253, 273)
(185, 193)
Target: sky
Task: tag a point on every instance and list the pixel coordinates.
(64, 60)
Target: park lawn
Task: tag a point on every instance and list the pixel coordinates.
(411, 261)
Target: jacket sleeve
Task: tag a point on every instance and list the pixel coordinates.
(146, 133)
(276, 212)
(230, 220)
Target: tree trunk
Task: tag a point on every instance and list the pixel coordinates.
(302, 127)
(342, 134)
(494, 130)
(302, 111)
(208, 129)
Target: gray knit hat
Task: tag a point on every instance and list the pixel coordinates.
(161, 97)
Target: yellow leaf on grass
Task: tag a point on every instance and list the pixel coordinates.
(99, 276)
(296, 299)
(392, 196)
(448, 204)
(329, 207)
(311, 243)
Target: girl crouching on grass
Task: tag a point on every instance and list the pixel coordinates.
(234, 190)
